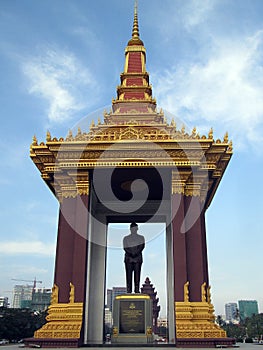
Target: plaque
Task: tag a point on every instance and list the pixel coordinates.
(132, 317)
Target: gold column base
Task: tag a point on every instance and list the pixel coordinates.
(196, 320)
(63, 321)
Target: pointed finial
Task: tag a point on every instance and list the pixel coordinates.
(54, 296)
(48, 137)
(186, 292)
(203, 292)
(71, 293)
(135, 40)
(70, 135)
(230, 147)
(135, 30)
(209, 294)
(136, 7)
(34, 143)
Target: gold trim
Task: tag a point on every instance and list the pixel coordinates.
(186, 292)
(72, 293)
(203, 292)
(54, 295)
(143, 296)
(135, 48)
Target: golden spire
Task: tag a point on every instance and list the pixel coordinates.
(135, 30)
(135, 40)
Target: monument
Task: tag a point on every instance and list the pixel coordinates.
(133, 245)
(94, 175)
(132, 313)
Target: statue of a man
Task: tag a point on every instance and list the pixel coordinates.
(133, 245)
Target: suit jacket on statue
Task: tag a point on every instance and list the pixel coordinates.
(133, 245)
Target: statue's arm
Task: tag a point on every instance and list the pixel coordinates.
(127, 248)
(135, 250)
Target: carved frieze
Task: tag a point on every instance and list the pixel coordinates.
(132, 143)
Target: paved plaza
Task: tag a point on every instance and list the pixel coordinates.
(254, 346)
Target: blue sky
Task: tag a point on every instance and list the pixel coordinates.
(61, 60)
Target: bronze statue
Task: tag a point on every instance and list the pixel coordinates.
(133, 245)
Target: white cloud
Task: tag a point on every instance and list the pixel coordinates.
(27, 248)
(195, 12)
(183, 17)
(59, 78)
(28, 270)
(226, 88)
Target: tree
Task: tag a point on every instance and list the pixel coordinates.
(251, 327)
(254, 326)
(16, 324)
(219, 320)
(236, 331)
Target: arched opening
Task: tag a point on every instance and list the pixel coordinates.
(154, 265)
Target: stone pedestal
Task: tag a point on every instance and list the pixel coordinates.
(64, 324)
(132, 319)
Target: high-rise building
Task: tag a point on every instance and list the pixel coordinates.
(108, 317)
(3, 302)
(231, 312)
(247, 308)
(25, 297)
(112, 293)
(22, 296)
(41, 299)
(118, 291)
(109, 299)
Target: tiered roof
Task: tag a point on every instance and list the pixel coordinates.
(133, 134)
(134, 94)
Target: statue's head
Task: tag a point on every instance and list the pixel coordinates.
(133, 227)
(133, 224)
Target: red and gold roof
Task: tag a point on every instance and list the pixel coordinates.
(133, 134)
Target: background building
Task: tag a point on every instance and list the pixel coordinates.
(109, 299)
(162, 322)
(3, 302)
(41, 299)
(231, 312)
(22, 296)
(27, 297)
(108, 317)
(247, 308)
(112, 293)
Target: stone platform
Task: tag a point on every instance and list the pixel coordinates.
(132, 319)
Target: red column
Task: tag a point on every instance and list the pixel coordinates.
(79, 267)
(197, 271)
(70, 265)
(204, 247)
(179, 246)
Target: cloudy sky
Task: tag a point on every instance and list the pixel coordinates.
(60, 61)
